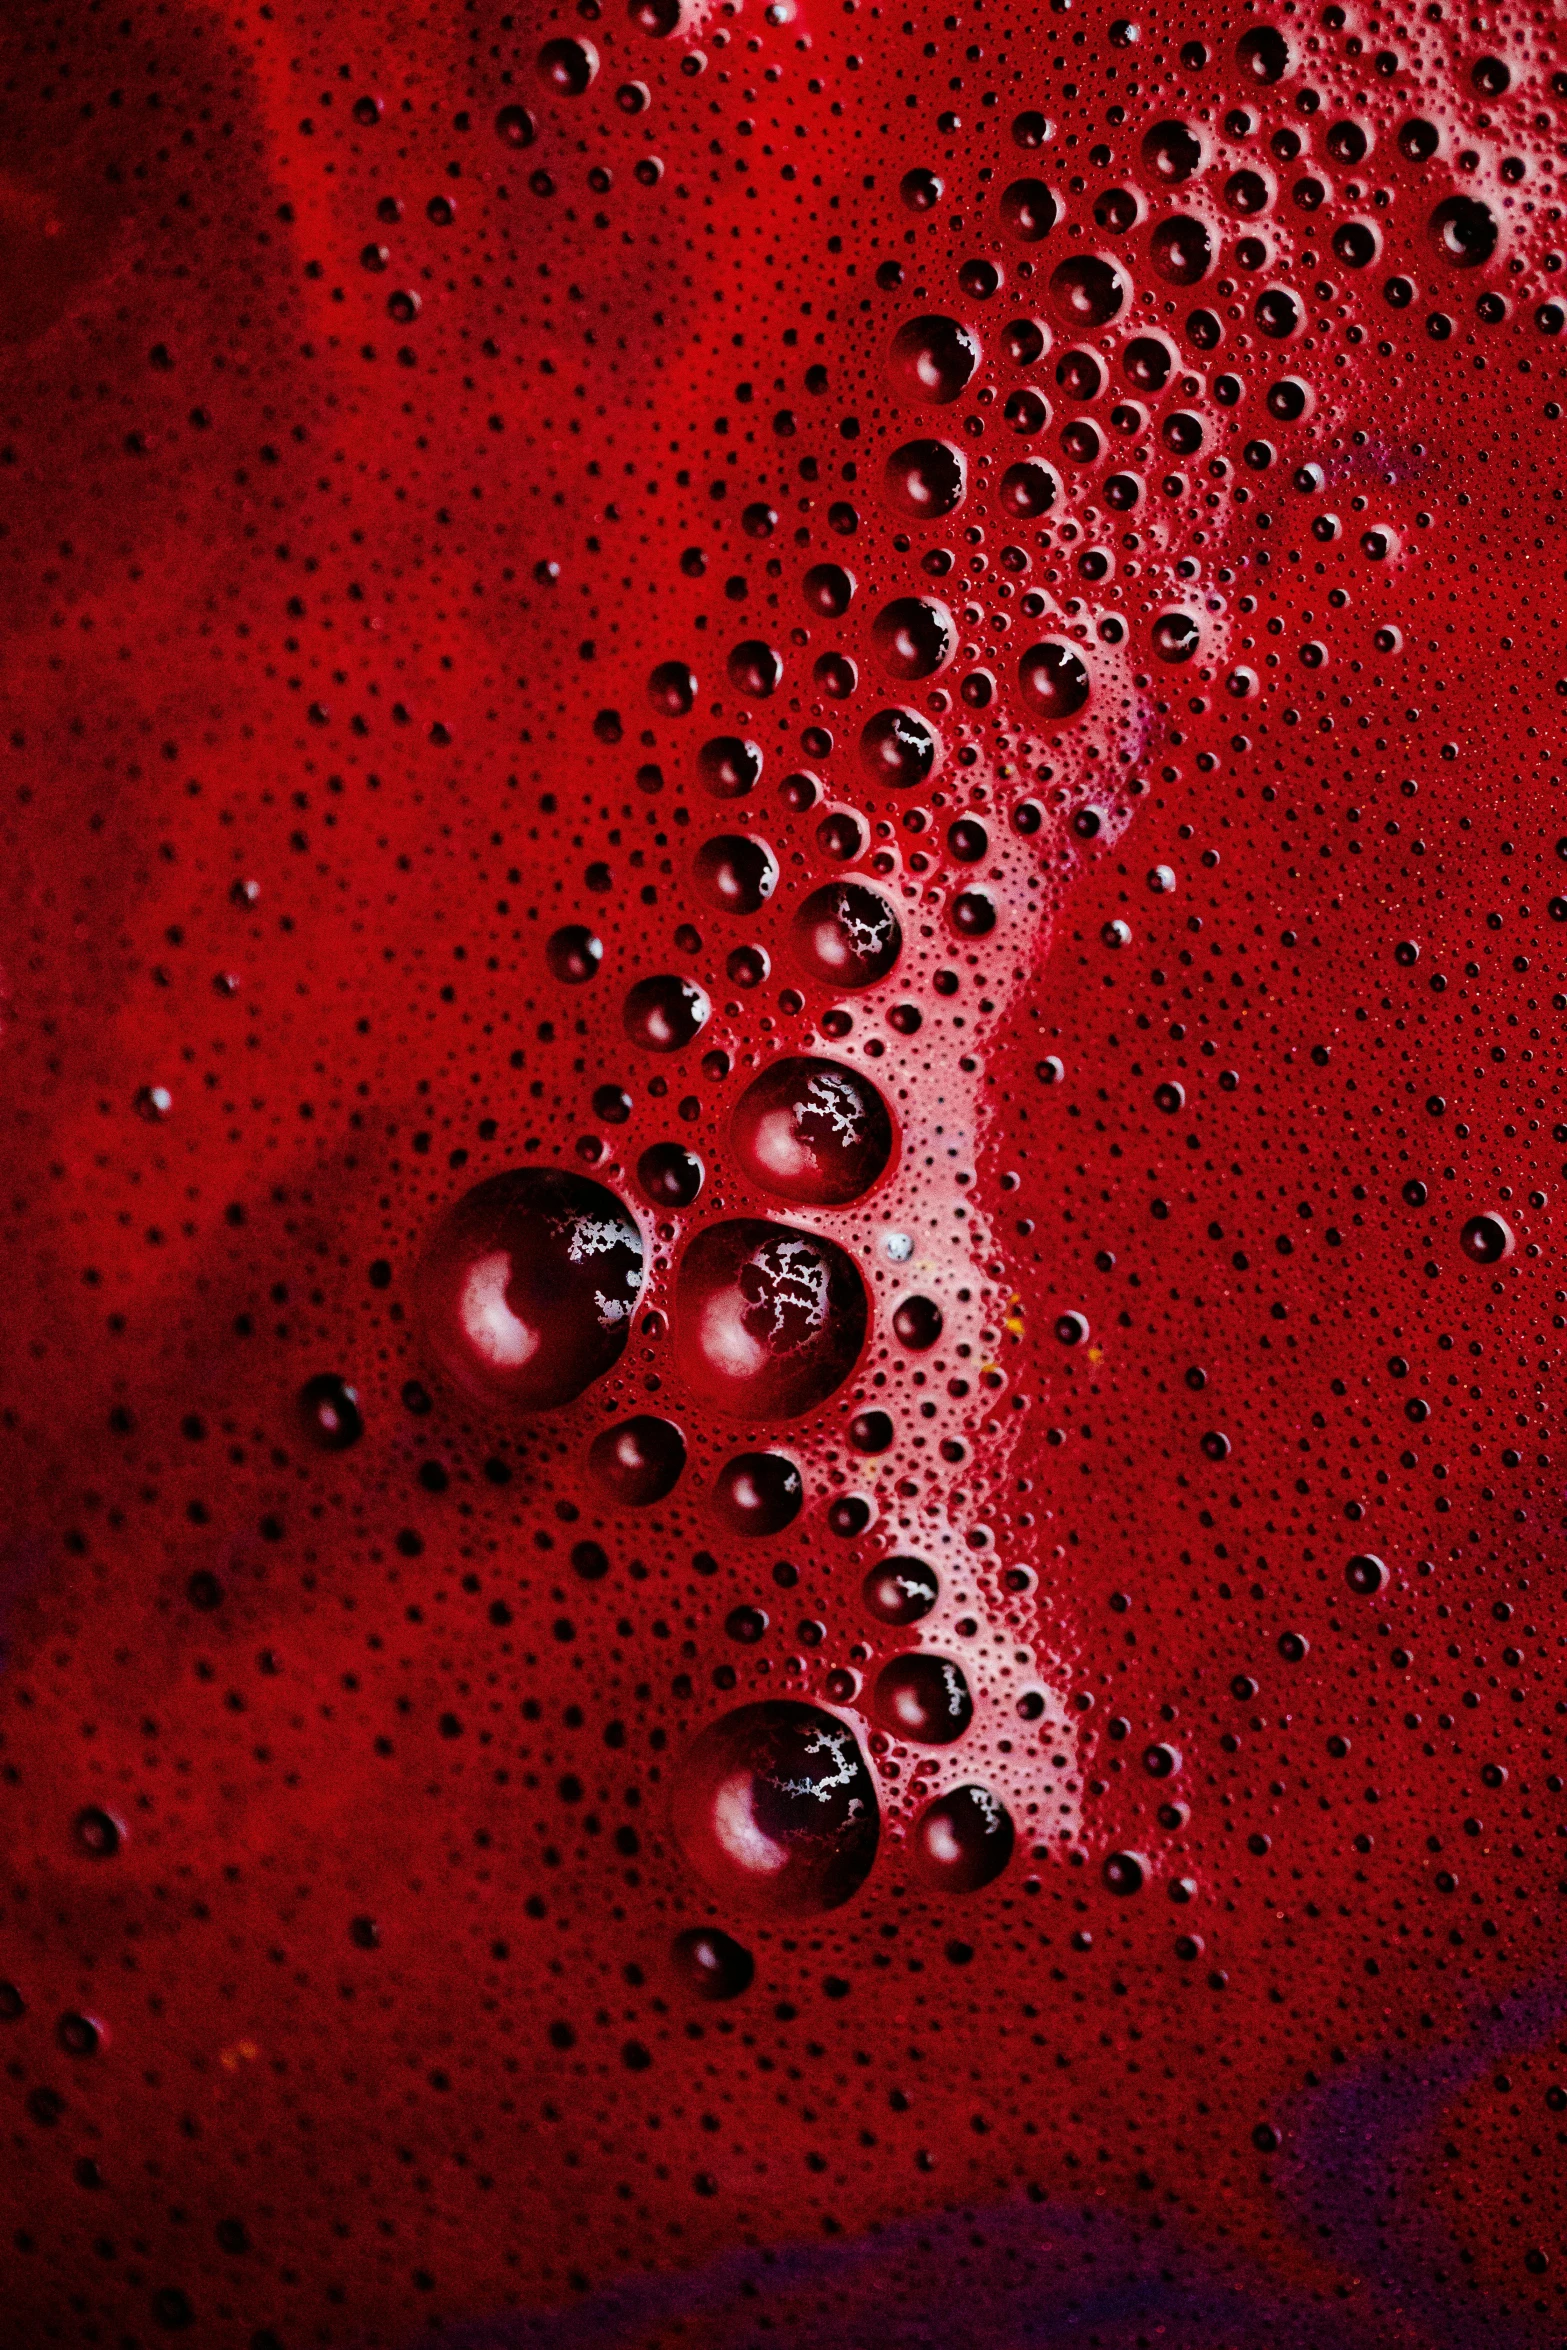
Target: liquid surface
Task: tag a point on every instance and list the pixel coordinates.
(783, 1010)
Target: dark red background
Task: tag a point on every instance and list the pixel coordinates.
(393, 1782)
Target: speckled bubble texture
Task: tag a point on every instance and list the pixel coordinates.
(784, 1113)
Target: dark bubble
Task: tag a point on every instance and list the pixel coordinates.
(920, 190)
(1172, 151)
(915, 636)
(1366, 1574)
(758, 1493)
(1465, 231)
(670, 1176)
(1029, 489)
(900, 1590)
(662, 1015)
(1181, 251)
(755, 669)
(639, 1461)
(897, 747)
(97, 1833)
(573, 954)
(329, 1408)
(917, 1323)
(1125, 1872)
(828, 589)
(735, 873)
(1054, 681)
(1088, 291)
(1263, 55)
(1175, 636)
(672, 689)
(774, 1808)
(730, 766)
(812, 1130)
(963, 1841)
(528, 1285)
(925, 479)
(713, 1964)
(923, 1698)
(1147, 362)
(871, 1432)
(846, 935)
(768, 1321)
(568, 66)
(1029, 211)
(932, 358)
(1485, 1240)
(514, 126)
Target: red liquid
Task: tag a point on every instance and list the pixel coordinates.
(904, 673)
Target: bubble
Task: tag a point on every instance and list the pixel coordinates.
(871, 1432)
(926, 479)
(758, 1493)
(656, 18)
(1173, 152)
(1277, 313)
(1263, 55)
(670, 1176)
(527, 1288)
(1175, 636)
(768, 1321)
(846, 935)
(917, 1324)
(573, 954)
(755, 669)
(963, 1841)
(662, 1015)
(1147, 362)
(1356, 243)
(1054, 681)
(1029, 211)
(713, 1964)
(900, 1591)
(514, 126)
(1485, 1240)
(1125, 1873)
(897, 747)
(775, 1809)
(923, 1698)
(639, 1461)
(1418, 140)
(1181, 251)
(1029, 489)
(1465, 231)
(730, 766)
(812, 1131)
(672, 689)
(932, 359)
(329, 1409)
(915, 637)
(568, 66)
(973, 913)
(1089, 290)
(735, 873)
(829, 589)
(97, 1833)
(1366, 1574)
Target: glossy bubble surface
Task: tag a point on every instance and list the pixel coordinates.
(527, 1288)
(775, 1810)
(768, 1320)
(813, 1131)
